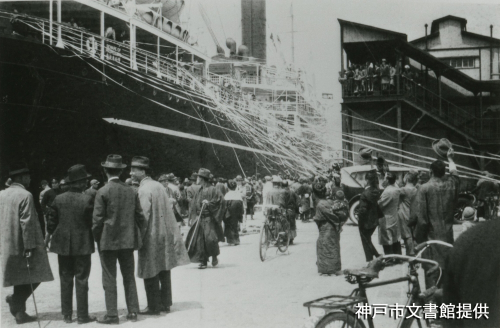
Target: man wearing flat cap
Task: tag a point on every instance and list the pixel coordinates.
(70, 230)
(203, 238)
(163, 248)
(22, 243)
(118, 227)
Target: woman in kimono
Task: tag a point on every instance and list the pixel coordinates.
(233, 214)
(329, 225)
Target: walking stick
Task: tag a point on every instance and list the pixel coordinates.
(32, 290)
(196, 227)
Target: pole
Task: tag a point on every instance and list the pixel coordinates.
(293, 41)
(51, 18)
(196, 227)
(32, 290)
(102, 35)
(59, 28)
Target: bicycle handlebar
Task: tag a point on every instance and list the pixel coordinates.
(421, 246)
(413, 259)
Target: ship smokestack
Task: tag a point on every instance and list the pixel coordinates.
(253, 27)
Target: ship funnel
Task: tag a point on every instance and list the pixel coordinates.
(231, 44)
(243, 52)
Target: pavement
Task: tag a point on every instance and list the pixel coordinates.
(242, 291)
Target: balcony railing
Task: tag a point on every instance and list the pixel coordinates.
(414, 92)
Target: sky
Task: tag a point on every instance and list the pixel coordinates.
(317, 36)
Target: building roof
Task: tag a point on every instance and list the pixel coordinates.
(435, 23)
(368, 27)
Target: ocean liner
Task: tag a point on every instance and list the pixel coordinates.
(82, 79)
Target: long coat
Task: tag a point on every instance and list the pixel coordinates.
(368, 211)
(436, 201)
(20, 231)
(70, 223)
(163, 248)
(388, 229)
(408, 199)
(118, 221)
(190, 192)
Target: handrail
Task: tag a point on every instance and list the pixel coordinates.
(416, 93)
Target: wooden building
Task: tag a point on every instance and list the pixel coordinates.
(428, 94)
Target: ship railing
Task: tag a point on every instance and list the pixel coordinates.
(119, 53)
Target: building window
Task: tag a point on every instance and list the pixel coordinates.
(461, 62)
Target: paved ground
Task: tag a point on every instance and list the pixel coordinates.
(241, 292)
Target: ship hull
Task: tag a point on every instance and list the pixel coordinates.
(53, 104)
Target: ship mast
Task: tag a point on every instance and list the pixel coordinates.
(293, 41)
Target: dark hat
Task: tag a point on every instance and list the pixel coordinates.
(365, 153)
(76, 173)
(18, 168)
(380, 160)
(441, 147)
(204, 173)
(140, 162)
(193, 177)
(390, 175)
(44, 182)
(340, 194)
(114, 162)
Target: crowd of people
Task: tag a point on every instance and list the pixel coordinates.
(365, 79)
(145, 215)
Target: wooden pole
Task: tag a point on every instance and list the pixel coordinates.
(59, 28)
(51, 19)
(400, 136)
(102, 35)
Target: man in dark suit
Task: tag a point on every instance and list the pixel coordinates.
(118, 224)
(70, 229)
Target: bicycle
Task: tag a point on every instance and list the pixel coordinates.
(276, 230)
(339, 309)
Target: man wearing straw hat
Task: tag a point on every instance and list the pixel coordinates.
(436, 202)
(70, 230)
(163, 248)
(22, 243)
(118, 224)
(202, 240)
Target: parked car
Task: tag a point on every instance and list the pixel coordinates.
(354, 182)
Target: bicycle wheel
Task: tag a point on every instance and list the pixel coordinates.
(264, 241)
(339, 319)
(283, 240)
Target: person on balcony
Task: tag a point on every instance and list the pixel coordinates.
(376, 76)
(369, 76)
(357, 79)
(363, 74)
(408, 78)
(350, 81)
(392, 73)
(385, 75)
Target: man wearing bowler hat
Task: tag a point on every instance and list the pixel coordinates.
(118, 227)
(70, 230)
(436, 203)
(163, 248)
(203, 237)
(22, 243)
